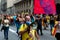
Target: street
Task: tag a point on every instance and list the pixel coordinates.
(14, 36)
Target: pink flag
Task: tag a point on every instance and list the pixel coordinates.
(44, 6)
(37, 7)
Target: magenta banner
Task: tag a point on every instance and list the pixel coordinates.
(37, 7)
(44, 7)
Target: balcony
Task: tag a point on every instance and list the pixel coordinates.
(17, 1)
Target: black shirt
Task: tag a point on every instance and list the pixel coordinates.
(52, 20)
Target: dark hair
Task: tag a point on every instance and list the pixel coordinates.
(58, 18)
(4, 17)
(28, 29)
(31, 25)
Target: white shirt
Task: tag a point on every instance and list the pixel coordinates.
(6, 22)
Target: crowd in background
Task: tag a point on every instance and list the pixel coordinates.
(28, 25)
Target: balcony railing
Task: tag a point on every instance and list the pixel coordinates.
(16, 1)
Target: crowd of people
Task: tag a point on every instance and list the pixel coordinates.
(28, 25)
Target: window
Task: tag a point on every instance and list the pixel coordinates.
(29, 2)
(29, 11)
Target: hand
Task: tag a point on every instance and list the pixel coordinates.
(30, 34)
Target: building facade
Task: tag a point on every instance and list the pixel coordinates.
(20, 6)
(26, 6)
(23, 6)
(0, 6)
(57, 1)
(58, 6)
(10, 7)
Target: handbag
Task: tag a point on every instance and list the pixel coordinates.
(3, 28)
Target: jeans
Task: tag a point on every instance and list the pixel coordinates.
(18, 26)
(51, 26)
(6, 32)
(39, 28)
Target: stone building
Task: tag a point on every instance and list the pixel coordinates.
(3, 6)
(23, 6)
(10, 7)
